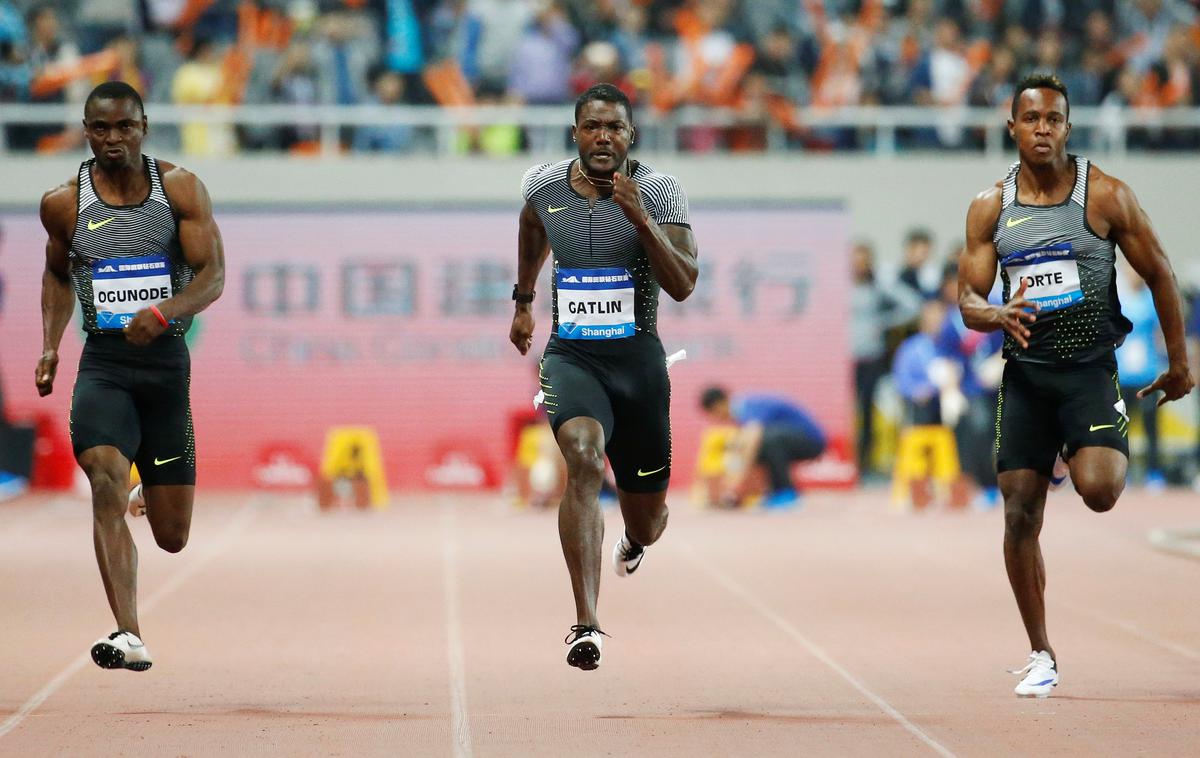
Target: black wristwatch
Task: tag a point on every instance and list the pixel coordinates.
(523, 298)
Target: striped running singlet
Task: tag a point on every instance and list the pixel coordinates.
(1068, 270)
(603, 288)
(126, 257)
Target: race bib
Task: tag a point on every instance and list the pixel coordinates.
(123, 286)
(595, 303)
(1050, 274)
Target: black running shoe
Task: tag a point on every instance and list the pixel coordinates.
(585, 647)
(121, 650)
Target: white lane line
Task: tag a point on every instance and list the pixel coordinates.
(1184, 542)
(1127, 627)
(816, 651)
(236, 524)
(460, 724)
(1134, 630)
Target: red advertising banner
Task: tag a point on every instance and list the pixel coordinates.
(398, 321)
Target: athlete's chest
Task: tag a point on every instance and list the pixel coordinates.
(1021, 226)
(104, 231)
(1052, 254)
(580, 229)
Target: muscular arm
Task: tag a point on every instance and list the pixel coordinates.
(532, 249)
(1129, 226)
(671, 250)
(202, 249)
(977, 274)
(58, 300)
(201, 242)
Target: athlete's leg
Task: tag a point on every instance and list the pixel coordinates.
(108, 474)
(645, 515)
(105, 436)
(1092, 416)
(167, 456)
(1099, 476)
(1024, 492)
(640, 448)
(580, 523)
(169, 511)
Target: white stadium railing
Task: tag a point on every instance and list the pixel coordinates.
(877, 129)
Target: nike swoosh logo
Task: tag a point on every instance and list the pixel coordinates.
(93, 225)
(552, 209)
(1098, 427)
(648, 473)
(157, 462)
(1016, 221)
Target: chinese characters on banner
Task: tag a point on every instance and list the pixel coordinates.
(399, 321)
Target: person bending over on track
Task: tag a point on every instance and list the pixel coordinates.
(773, 432)
(135, 238)
(1053, 225)
(619, 232)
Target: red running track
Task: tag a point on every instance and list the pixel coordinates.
(435, 628)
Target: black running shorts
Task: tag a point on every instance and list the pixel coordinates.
(628, 393)
(1044, 407)
(137, 400)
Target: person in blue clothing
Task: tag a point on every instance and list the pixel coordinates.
(915, 369)
(1139, 361)
(774, 433)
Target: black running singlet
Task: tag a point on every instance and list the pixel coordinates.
(1068, 270)
(126, 257)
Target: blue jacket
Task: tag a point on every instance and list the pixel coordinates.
(770, 410)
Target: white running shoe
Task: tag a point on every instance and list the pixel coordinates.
(585, 647)
(1060, 474)
(627, 557)
(1041, 675)
(121, 650)
(137, 501)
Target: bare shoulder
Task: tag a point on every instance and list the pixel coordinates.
(985, 206)
(184, 188)
(60, 195)
(1106, 188)
(1110, 198)
(177, 178)
(58, 204)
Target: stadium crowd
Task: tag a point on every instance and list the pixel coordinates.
(755, 58)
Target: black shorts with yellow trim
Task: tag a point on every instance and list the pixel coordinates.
(628, 392)
(137, 399)
(1044, 408)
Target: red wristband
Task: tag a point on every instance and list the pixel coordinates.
(158, 315)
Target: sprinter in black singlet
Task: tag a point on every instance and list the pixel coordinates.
(135, 238)
(1053, 225)
(619, 232)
